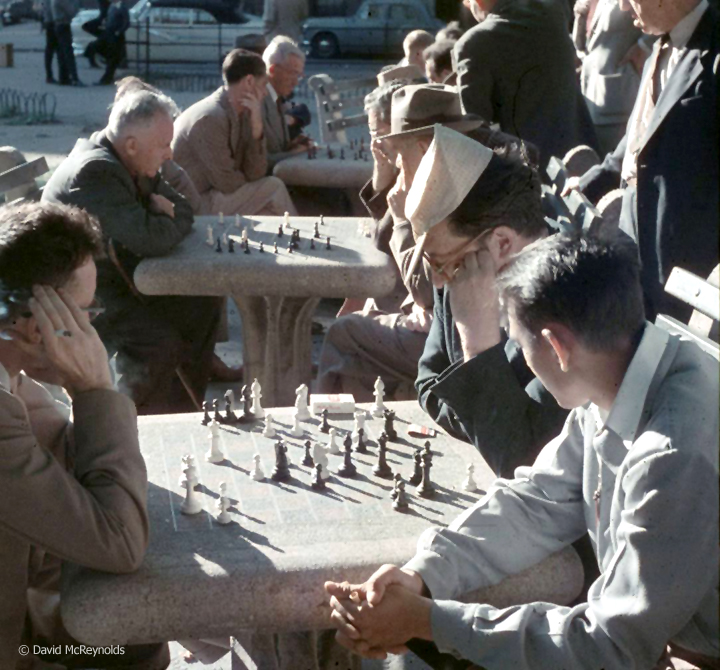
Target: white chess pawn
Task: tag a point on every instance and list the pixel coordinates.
(333, 446)
(221, 218)
(301, 403)
(322, 219)
(256, 408)
(470, 484)
(286, 217)
(296, 430)
(224, 239)
(320, 457)
(238, 221)
(359, 422)
(210, 241)
(222, 505)
(214, 455)
(379, 407)
(268, 431)
(257, 473)
(244, 236)
(191, 504)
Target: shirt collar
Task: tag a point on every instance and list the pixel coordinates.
(4, 379)
(682, 32)
(626, 412)
(273, 93)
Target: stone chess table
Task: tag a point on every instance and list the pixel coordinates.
(265, 570)
(324, 172)
(276, 293)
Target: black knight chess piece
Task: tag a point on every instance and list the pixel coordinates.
(281, 471)
(389, 415)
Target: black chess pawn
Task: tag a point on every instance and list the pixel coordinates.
(347, 469)
(401, 502)
(312, 243)
(327, 243)
(247, 247)
(216, 408)
(361, 446)
(417, 474)
(382, 469)
(229, 414)
(206, 414)
(325, 426)
(316, 232)
(396, 480)
(262, 248)
(389, 425)
(280, 231)
(231, 245)
(318, 482)
(426, 488)
(281, 471)
(247, 414)
(275, 249)
(308, 459)
(218, 246)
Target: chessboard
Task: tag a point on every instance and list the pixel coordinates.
(265, 569)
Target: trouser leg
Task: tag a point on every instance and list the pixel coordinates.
(65, 49)
(267, 196)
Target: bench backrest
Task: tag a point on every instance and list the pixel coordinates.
(22, 175)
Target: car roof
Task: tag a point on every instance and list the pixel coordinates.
(224, 11)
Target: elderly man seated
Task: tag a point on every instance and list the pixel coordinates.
(72, 491)
(164, 344)
(285, 63)
(220, 142)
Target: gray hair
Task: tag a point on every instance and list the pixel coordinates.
(139, 108)
(280, 49)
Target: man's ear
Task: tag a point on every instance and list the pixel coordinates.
(560, 340)
(501, 244)
(131, 146)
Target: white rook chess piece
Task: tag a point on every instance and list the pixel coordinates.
(191, 504)
(214, 455)
(210, 241)
(296, 430)
(256, 408)
(223, 504)
(301, 403)
(333, 446)
(268, 431)
(470, 484)
(359, 422)
(379, 407)
(257, 473)
(320, 457)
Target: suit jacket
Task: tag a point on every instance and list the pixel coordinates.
(215, 146)
(69, 493)
(284, 17)
(277, 133)
(93, 178)
(492, 400)
(517, 69)
(609, 88)
(673, 212)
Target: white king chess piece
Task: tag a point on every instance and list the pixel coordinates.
(301, 403)
(379, 407)
(257, 408)
(214, 455)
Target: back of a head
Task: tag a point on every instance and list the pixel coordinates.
(587, 283)
(138, 108)
(280, 49)
(417, 39)
(379, 100)
(508, 193)
(131, 84)
(240, 63)
(439, 56)
(44, 243)
(453, 31)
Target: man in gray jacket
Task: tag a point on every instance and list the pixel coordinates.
(63, 12)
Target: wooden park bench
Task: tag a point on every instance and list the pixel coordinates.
(19, 182)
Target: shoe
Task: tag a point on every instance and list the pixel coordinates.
(220, 372)
(50, 80)
(93, 64)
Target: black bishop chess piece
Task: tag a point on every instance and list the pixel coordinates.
(426, 488)
(246, 414)
(281, 471)
(206, 414)
(389, 415)
(417, 474)
(324, 426)
(382, 469)
(308, 459)
(361, 447)
(318, 482)
(347, 469)
(316, 231)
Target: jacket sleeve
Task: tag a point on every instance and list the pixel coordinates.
(180, 181)
(603, 178)
(97, 515)
(474, 81)
(104, 193)
(209, 141)
(254, 153)
(419, 283)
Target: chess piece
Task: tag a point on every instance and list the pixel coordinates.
(296, 430)
(396, 480)
(223, 517)
(389, 429)
(426, 450)
(206, 414)
(361, 448)
(400, 504)
(188, 463)
(379, 407)
(210, 241)
(224, 239)
(216, 409)
(281, 471)
(221, 218)
(268, 431)
(257, 473)
(290, 247)
(327, 243)
(316, 232)
(214, 455)
(308, 459)
(247, 247)
(262, 248)
(356, 155)
(231, 246)
(246, 414)
(280, 231)
(418, 471)
(359, 421)
(309, 153)
(426, 489)
(318, 482)
(312, 243)
(275, 249)
(218, 247)
(257, 408)
(191, 504)
(324, 426)
(301, 403)
(382, 469)
(319, 456)
(286, 219)
(347, 469)
(470, 484)
(229, 414)
(333, 447)
(244, 237)
(238, 221)
(322, 219)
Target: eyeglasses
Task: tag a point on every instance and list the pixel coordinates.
(443, 270)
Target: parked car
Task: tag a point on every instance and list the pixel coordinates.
(179, 31)
(377, 28)
(17, 11)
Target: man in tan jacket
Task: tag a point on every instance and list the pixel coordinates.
(68, 492)
(220, 143)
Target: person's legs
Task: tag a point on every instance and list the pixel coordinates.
(113, 55)
(51, 48)
(358, 349)
(65, 50)
(265, 196)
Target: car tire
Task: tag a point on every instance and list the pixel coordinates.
(325, 45)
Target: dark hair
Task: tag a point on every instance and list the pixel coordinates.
(379, 100)
(508, 193)
(43, 243)
(239, 63)
(452, 31)
(439, 55)
(588, 283)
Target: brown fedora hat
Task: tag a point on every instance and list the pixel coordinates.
(416, 109)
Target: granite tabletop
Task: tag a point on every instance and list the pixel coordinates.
(324, 172)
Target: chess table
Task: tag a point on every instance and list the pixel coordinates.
(324, 172)
(276, 294)
(265, 570)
